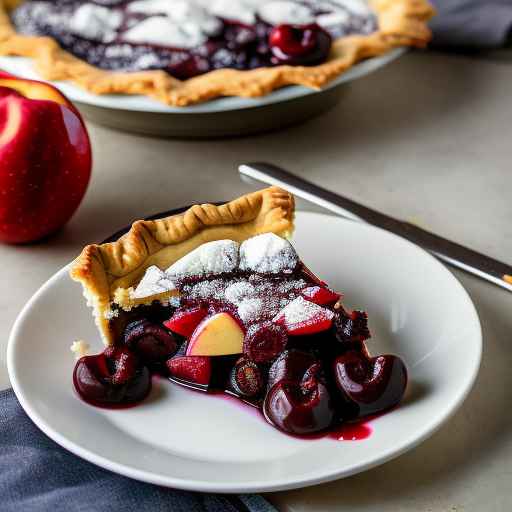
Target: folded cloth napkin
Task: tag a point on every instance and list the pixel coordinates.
(472, 23)
(37, 475)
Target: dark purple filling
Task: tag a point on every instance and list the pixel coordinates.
(237, 46)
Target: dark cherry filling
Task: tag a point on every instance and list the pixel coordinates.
(305, 378)
(237, 45)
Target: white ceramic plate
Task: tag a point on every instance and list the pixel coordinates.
(188, 440)
(23, 67)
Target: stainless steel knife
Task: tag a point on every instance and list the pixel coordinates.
(447, 251)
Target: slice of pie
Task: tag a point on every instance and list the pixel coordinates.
(188, 51)
(216, 299)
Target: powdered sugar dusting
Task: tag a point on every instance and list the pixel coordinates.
(239, 290)
(250, 310)
(219, 256)
(301, 311)
(155, 281)
(95, 22)
(206, 290)
(267, 253)
(260, 279)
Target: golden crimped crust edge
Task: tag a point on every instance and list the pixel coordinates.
(104, 269)
(401, 23)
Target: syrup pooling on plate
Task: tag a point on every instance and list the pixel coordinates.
(250, 320)
(190, 37)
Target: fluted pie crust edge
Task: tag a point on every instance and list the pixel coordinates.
(401, 23)
(107, 271)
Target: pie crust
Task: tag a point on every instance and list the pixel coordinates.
(108, 272)
(401, 23)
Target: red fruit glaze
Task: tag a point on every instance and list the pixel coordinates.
(196, 369)
(320, 295)
(45, 165)
(184, 321)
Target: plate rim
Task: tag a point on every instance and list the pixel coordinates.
(254, 486)
(218, 105)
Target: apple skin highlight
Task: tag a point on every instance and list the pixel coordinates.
(45, 160)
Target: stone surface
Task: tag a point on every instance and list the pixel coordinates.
(427, 139)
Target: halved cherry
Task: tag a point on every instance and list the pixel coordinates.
(300, 407)
(372, 384)
(246, 378)
(111, 377)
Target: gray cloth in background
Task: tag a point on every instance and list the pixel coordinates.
(37, 475)
(472, 23)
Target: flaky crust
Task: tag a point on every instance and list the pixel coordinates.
(106, 270)
(401, 23)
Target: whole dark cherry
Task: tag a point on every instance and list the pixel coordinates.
(299, 44)
(264, 341)
(371, 384)
(112, 377)
(151, 342)
(291, 365)
(303, 407)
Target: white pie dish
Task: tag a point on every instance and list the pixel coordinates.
(187, 440)
(221, 117)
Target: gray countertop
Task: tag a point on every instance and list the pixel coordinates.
(426, 138)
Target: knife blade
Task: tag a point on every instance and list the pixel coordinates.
(452, 253)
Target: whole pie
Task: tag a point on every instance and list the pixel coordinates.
(188, 51)
(217, 299)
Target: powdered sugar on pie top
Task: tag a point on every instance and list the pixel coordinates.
(259, 278)
(215, 257)
(250, 310)
(359, 7)
(268, 253)
(162, 31)
(179, 12)
(238, 291)
(278, 12)
(234, 10)
(96, 22)
(301, 311)
(155, 281)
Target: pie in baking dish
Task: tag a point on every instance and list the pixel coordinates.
(188, 51)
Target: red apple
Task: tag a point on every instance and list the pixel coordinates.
(45, 159)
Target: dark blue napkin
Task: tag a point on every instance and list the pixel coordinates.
(477, 24)
(37, 475)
